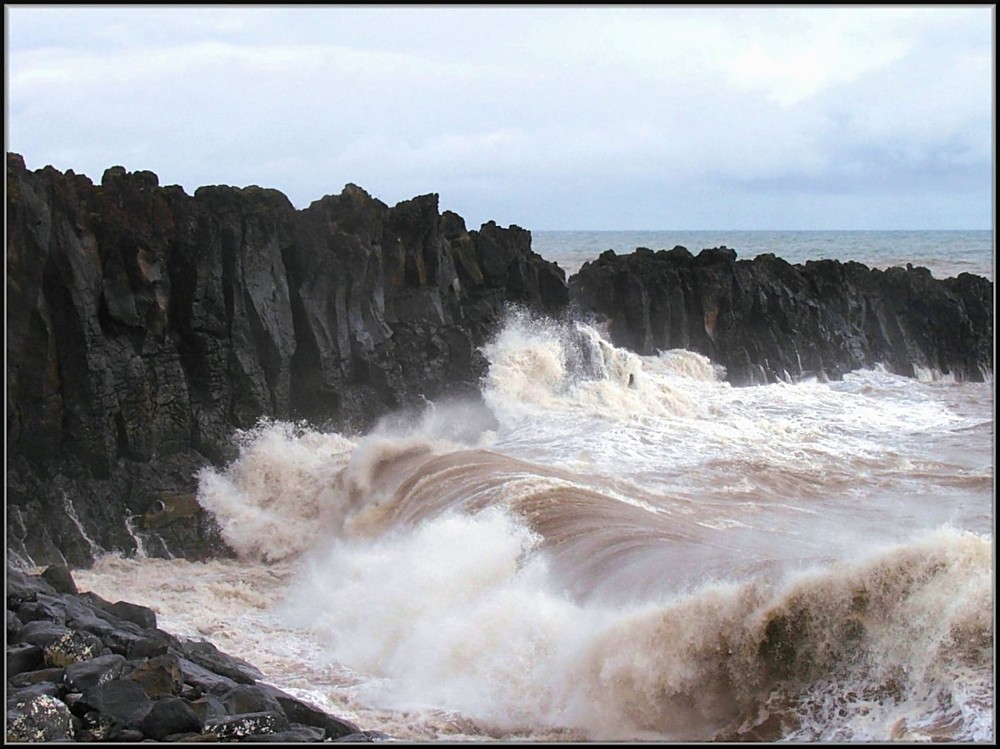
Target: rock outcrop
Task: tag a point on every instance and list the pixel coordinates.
(80, 668)
(145, 325)
(765, 320)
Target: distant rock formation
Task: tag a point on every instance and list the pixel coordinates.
(766, 320)
(144, 325)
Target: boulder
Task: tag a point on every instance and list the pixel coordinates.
(210, 657)
(37, 718)
(247, 698)
(83, 675)
(23, 657)
(296, 733)
(168, 716)
(60, 578)
(160, 675)
(113, 705)
(241, 727)
(301, 712)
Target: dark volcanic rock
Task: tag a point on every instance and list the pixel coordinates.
(35, 717)
(249, 724)
(764, 319)
(86, 674)
(169, 716)
(296, 733)
(60, 578)
(23, 657)
(132, 695)
(207, 655)
(247, 698)
(144, 616)
(160, 675)
(203, 679)
(146, 325)
(24, 588)
(300, 712)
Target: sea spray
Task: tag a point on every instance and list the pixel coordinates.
(621, 547)
(461, 613)
(278, 495)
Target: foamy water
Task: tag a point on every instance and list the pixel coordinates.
(614, 547)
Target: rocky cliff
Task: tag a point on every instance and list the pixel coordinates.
(145, 325)
(766, 320)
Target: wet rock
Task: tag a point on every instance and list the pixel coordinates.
(46, 688)
(296, 733)
(133, 642)
(765, 320)
(160, 675)
(113, 705)
(23, 657)
(83, 675)
(183, 318)
(240, 727)
(363, 737)
(247, 698)
(301, 712)
(208, 708)
(13, 625)
(168, 716)
(61, 646)
(142, 615)
(60, 578)
(24, 588)
(203, 679)
(121, 698)
(41, 610)
(210, 657)
(37, 718)
(41, 676)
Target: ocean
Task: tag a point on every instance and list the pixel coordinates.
(946, 253)
(618, 547)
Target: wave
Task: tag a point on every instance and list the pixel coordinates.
(461, 613)
(613, 546)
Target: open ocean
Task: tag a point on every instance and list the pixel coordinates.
(628, 550)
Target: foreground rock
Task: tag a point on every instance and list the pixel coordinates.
(73, 673)
(766, 320)
(145, 325)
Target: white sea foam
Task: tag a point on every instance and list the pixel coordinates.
(614, 547)
(279, 495)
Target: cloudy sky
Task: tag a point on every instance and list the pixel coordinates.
(582, 117)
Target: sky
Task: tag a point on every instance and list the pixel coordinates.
(549, 117)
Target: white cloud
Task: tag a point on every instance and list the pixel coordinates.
(516, 110)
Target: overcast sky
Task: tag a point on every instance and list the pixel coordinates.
(582, 117)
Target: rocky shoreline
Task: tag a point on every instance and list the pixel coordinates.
(146, 327)
(80, 668)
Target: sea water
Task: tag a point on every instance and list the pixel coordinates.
(614, 547)
(945, 253)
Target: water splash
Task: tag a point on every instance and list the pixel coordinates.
(95, 550)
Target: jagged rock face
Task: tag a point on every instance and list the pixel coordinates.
(765, 320)
(144, 325)
(109, 691)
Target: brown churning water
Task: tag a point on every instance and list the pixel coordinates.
(627, 549)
